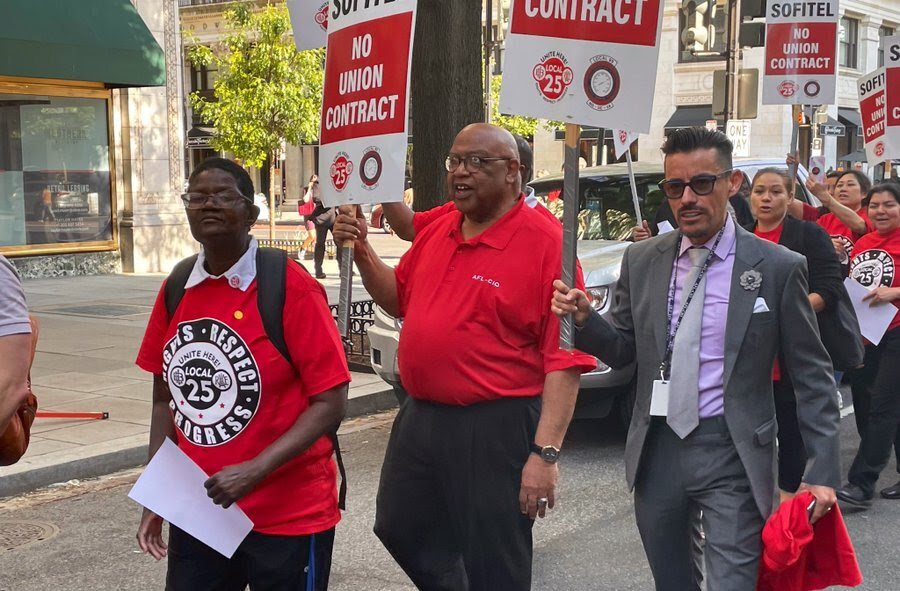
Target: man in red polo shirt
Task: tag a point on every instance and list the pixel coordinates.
(472, 456)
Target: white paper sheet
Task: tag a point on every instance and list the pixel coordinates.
(873, 320)
(665, 227)
(172, 487)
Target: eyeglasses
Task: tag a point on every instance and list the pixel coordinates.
(472, 163)
(702, 184)
(225, 199)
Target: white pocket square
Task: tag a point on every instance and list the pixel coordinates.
(760, 306)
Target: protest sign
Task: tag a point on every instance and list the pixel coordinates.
(363, 137)
(582, 62)
(801, 52)
(873, 113)
(622, 140)
(892, 98)
(309, 19)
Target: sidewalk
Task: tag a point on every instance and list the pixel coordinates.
(91, 329)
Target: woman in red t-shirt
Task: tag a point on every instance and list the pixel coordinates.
(255, 418)
(849, 191)
(876, 386)
(770, 197)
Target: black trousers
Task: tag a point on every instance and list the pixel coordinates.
(321, 237)
(791, 451)
(448, 502)
(876, 402)
(264, 562)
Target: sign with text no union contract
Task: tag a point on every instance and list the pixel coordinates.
(873, 114)
(583, 61)
(801, 52)
(363, 136)
(892, 99)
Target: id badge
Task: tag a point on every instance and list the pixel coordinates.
(659, 399)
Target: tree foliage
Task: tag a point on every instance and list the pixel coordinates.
(267, 91)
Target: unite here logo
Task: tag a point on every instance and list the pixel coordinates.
(553, 76)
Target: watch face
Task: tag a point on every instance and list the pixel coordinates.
(549, 454)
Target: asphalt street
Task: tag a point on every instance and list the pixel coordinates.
(588, 543)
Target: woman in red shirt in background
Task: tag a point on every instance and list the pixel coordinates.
(845, 230)
(770, 197)
(876, 386)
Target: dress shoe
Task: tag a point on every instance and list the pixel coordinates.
(852, 497)
(321, 275)
(891, 492)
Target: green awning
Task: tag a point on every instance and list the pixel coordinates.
(97, 40)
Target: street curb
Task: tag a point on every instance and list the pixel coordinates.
(130, 452)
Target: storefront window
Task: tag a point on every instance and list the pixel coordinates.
(54, 172)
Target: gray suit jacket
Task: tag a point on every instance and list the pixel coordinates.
(752, 340)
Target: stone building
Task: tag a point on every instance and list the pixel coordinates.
(205, 21)
(91, 137)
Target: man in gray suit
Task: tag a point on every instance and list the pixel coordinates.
(704, 311)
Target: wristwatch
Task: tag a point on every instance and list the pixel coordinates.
(548, 453)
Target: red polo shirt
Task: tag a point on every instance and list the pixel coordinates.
(233, 394)
(477, 320)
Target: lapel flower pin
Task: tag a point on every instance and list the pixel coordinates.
(751, 280)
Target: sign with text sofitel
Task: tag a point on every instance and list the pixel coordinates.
(801, 52)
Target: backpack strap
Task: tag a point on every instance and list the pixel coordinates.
(175, 283)
(271, 274)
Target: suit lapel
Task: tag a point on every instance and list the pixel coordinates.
(661, 266)
(741, 301)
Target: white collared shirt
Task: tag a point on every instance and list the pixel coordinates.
(239, 276)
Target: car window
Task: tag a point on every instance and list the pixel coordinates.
(606, 208)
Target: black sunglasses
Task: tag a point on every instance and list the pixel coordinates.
(702, 184)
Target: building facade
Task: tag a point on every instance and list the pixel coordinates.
(204, 23)
(89, 123)
(684, 86)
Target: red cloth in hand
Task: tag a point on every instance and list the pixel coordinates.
(800, 557)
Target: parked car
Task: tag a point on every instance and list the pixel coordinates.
(377, 219)
(606, 219)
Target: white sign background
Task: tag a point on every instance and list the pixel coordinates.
(309, 20)
(362, 151)
(588, 82)
(738, 131)
(873, 113)
(892, 95)
(803, 40)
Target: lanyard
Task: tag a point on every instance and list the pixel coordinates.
(665, 366)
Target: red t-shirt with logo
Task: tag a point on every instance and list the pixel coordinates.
(477, 320)
(233, 393)
(874, 264)
(838, 230)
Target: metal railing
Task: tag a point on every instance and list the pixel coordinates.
(362, 316)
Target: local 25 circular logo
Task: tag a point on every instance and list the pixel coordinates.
(340, 171)
(322, 16)
(873, 268)
(553, 76)
(879, 149)
(787, 88)
(213, 380)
